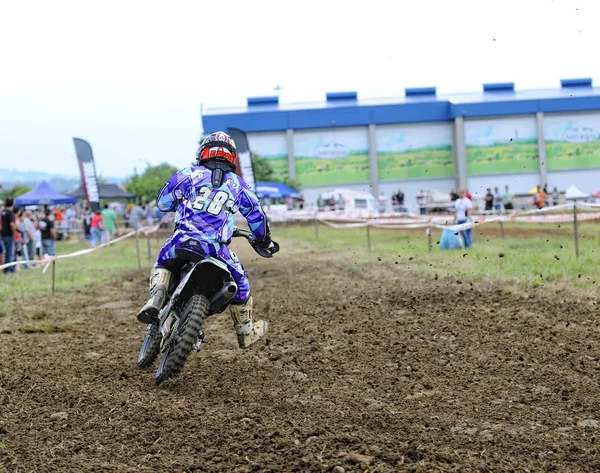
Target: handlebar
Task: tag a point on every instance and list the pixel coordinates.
(242, 233)
(264, 252)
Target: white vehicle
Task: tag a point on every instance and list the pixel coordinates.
(347, 200)
(435, 196)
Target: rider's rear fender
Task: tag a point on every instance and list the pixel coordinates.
(206, 277)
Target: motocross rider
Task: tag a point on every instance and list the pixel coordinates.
(205, 197)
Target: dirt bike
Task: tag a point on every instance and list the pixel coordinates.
(204, 287)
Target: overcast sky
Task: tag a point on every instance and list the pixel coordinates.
(129, 76)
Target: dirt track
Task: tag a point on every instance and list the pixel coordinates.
(368, 366)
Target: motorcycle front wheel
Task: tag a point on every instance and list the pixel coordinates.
(150, 346)
(177, 351)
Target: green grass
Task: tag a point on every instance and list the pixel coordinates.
(349, 170)
(563, 155)
(529, 260)
(101, 266)
(418, 163)
(502, 158)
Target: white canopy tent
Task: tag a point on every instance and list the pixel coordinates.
(574, 193)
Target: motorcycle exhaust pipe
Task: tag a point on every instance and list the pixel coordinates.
(223, 296)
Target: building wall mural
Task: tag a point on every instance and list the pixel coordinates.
(572, 141)
(501, 145)
(414, 151)
(331, 156)
(271, 146)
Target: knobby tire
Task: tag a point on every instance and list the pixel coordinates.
(193, 316)
(150, 347)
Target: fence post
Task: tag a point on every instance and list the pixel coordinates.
(368, 236)
(502, 229)
(575, 230)
(137, 246)
(53, 276)
(430, 246)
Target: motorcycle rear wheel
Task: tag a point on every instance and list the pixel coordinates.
(176, 353)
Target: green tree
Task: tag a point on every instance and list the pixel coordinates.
(262, 169)
(148, 183)
(291, 183)
(14, 191)
(264, 172)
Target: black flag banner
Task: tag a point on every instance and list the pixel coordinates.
(87, 169)
(245, 169)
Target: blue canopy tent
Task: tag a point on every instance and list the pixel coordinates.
(44, 194)
(275, 190)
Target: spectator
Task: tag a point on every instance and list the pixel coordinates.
(110, 223)
(464, 208)
(555, 196)
(59, 223)
(453, 195)
(87, 224)
(539, 198)
(19, 250)
(48, 235)
(70, 213)
(507, 199)
(498, 200)
(28, 229)
(59, 217)
(96, 228)
(9, 227)
(38, 242)
(422, 202)
(400, 201)
(137, 216)
(489, 201)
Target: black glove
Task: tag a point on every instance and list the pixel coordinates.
(265, 248)
(264, 244)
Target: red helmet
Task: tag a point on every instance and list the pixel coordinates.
(218, 145)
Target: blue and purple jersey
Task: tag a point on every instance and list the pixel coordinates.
(206, 212)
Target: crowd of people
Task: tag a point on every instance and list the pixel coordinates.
(500, 202)
(26, 234)
(496, 202)
(30, 233)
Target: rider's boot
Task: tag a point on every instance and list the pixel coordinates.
(248, 331)
(160, 280)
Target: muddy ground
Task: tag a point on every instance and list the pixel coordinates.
(368, 367)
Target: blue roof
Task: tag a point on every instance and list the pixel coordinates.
(418, 105)
(44, 194)
(275, 190)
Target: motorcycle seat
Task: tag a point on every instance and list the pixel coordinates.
(188, 255)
